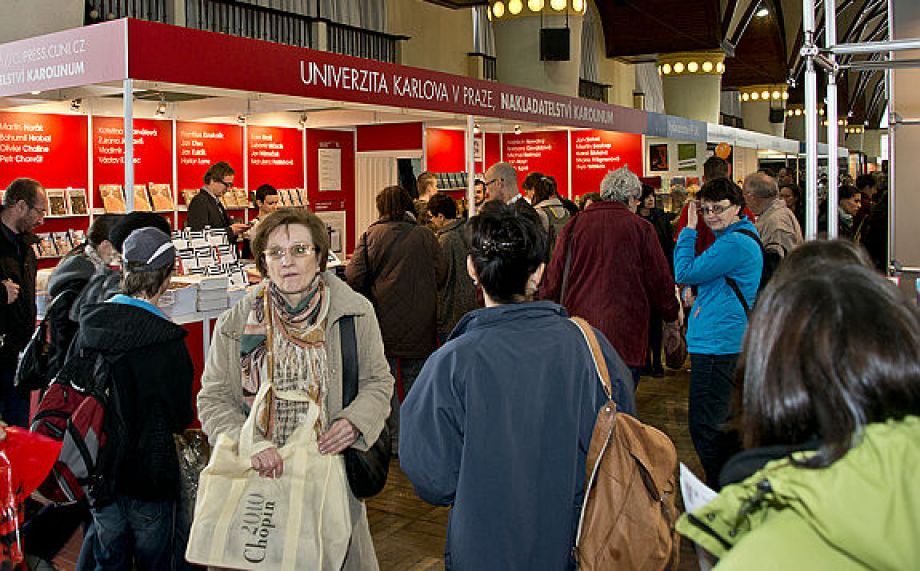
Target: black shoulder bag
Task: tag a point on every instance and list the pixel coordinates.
(367, 471)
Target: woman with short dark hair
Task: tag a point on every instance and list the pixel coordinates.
(727, 275)
(831, 398)
(501, 417)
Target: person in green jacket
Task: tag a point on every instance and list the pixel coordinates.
(830, 418)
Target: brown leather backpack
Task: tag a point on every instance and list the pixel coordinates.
(628, 515)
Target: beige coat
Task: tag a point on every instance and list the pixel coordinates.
(778, 228)
(222, 411)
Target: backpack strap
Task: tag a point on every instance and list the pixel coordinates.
(600, 364)
(603, 427)
(349, 348)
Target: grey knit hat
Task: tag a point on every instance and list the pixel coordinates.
(148, 250)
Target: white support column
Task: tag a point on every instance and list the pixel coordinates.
(129, 143)
(830, 37)
(470, 165)
(811, 121)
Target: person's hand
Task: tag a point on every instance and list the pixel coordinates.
(340, 436)
(686, 295)
(693, 208)
(671, 335)
(12, 290)
(2, 431)
(268, 463)
(239, 228)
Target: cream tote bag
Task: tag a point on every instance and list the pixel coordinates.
(298, 521)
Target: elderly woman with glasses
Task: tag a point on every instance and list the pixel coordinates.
(287, 332)
(726, 275)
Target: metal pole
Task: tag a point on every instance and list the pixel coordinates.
(866, 48)
(889, 88)
(470, 165)
(129, 143)
(830, 38)
(811, 121)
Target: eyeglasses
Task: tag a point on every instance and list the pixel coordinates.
(296, 251)
(42, 211)
(488, 182)
(714, 209)
(226, 184)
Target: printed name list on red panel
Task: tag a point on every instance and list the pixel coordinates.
(110, 144)
(194, 145)
(267, 149)
(24, 141)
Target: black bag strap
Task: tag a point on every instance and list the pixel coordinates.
(734, 285)
(349, 348)
(567, 267)
(370, 272)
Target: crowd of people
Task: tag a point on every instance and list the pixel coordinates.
(804, 363)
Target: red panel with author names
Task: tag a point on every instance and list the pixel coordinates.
(199, 145)
(49, 148)
(543, 152)
(595, 153)
(275, 157)
(152, 152)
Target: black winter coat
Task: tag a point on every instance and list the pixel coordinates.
(153, 375)
(17, 319)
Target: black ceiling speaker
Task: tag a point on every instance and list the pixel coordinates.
(554, 44)
(777, 115)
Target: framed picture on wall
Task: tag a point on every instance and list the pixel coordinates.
(658, 157)
(686, 157)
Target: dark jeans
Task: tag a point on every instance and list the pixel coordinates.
(129, 527)
(404, 371)
(712, 380)
(636, 375)
(14, 408)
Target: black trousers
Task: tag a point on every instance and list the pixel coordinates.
(712, 380)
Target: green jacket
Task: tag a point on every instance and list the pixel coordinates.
(862, 512)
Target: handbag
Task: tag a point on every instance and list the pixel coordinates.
(32, 369)
(300, 520)
(367, 470)
(675, 346)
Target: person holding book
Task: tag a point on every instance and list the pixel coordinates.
(206, 210)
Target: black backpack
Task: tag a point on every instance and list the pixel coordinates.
(771, 261)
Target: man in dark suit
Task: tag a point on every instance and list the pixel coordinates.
(206, 210)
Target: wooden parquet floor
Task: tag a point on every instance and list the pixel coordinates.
(409, 534)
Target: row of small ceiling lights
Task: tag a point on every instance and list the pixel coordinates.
(515, 7)
(765, 95)
(691, 67)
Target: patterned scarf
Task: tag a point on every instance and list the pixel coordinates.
(286, 346)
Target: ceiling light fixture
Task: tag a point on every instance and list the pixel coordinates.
(161, 106)
(76, 105)
(762, 13)
(517, 129)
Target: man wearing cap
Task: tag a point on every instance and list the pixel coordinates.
(614, 270)
(152, 375)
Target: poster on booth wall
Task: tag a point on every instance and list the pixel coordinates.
(658, 158)
(686, 157)
(335, 226)
(330, 169)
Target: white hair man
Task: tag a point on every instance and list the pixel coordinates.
(616, 271)
(777, 225)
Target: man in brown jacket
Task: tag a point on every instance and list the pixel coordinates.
(398, 265)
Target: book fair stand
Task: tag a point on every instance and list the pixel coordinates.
(128, 115)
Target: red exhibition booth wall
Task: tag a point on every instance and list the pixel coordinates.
(338, 150)
(52, 149)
